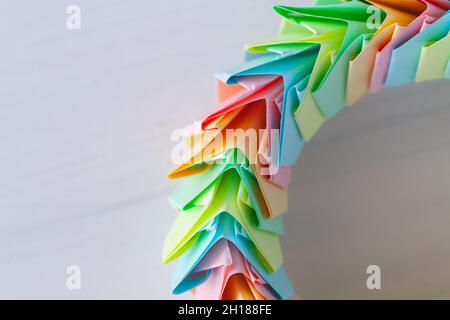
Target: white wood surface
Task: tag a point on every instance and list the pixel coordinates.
(85, 124)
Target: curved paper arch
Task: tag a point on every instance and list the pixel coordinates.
(325, 58)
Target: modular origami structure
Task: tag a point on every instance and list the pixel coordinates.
(325, 57)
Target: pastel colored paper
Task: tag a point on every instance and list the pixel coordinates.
(233, 263)
(196, 266)
(434, 59)
(190, 224)
(405, 59)
(324, 58)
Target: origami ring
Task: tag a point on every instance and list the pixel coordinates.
(233, 193)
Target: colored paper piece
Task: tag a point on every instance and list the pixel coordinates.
(433, 60)
(428, 16)
(219, 284)
(405, 59)
(195, 267)
(255, 191)
(189, 225)
(360, 66)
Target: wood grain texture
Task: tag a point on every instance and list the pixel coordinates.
(86, 118)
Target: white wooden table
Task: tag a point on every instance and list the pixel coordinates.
(85, 123)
